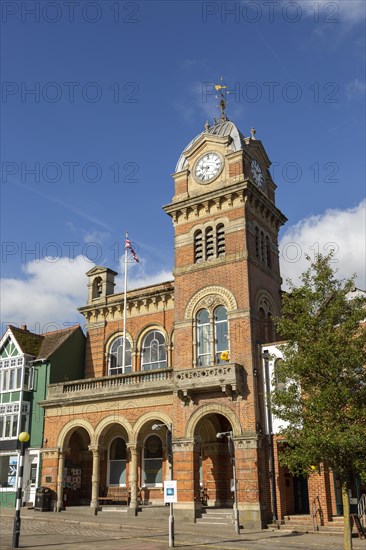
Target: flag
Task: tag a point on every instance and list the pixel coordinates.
(129, 245)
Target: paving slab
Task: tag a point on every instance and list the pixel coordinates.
(78, 529)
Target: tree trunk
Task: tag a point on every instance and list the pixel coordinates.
(346, 516)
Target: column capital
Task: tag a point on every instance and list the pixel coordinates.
(95, 448)
(133, 448)
(63, 450)
(184, 445)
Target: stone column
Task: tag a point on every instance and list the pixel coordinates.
(132, 478)
(60, 477)
(95, 478)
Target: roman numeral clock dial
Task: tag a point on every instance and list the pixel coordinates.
(257, 173)
(208, 167)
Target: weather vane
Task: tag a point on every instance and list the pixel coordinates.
(222, 89)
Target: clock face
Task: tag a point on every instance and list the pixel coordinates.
(208, 167)
(257, 173)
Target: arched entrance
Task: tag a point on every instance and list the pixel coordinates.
(213, 467)
(77, 469)
(113, 442)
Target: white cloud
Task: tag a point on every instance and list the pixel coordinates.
(52, 289)
(354, 89)
(95, 236)
(341, 230)
(349, 11)
(138, 277)
(50, 293)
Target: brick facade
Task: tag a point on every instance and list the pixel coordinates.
(198, 401)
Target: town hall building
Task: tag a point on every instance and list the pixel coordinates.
(192, 362)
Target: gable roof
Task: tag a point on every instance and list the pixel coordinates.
(53, 340)
(41, 346)
(28, 342)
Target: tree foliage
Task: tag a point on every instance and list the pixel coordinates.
(324, 399)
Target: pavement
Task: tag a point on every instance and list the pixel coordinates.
(76, 529)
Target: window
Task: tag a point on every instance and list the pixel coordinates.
(209, 243)
(262, 321)
(216, 325)
(117, 462)
(11, 372)
(8, 471)
(198, 250)
(203, 338)
(12, 422)
(153, 461)
(266, 331)
(279, 378)
(257, 247)
(153, 351)
(221, 333)
(262, 247)
(116, 357)
(220, 240)
(268, 252)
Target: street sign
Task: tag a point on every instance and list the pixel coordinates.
(170, 492)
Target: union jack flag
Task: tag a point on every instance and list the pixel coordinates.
(129, 246)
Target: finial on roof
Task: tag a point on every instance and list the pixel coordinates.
(253, 132)
(223, 102)
(207, 126)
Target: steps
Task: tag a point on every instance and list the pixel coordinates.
(216, 516)
(304, 524)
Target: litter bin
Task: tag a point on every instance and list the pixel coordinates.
(43, 499)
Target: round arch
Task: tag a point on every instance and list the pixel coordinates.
(117, 334)
(264, 295)
(148, 417)
(210, 294)
(69, 429)
(146, 329)
(200, 413)
(108, 422)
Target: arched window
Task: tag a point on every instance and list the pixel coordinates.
(257, 244)
(262, 322)
(116, 357)
(153, 351)
(117, 462)
(203, 338)
(220, 240)
(97, 287)
(221, 332)
(268, 252)
(262, 247)
(279, 378)
(153, 462)
(209, 243)
(198, 247)
(269, 336)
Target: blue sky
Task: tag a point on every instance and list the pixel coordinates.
(122, 87)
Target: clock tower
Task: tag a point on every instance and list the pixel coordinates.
(227, 290)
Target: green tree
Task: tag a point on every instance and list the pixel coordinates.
(324, 398)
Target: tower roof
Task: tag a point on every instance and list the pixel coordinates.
(223, 129)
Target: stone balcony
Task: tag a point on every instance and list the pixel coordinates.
(228, 378)
(109, 387)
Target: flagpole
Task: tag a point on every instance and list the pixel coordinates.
(125, 312)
